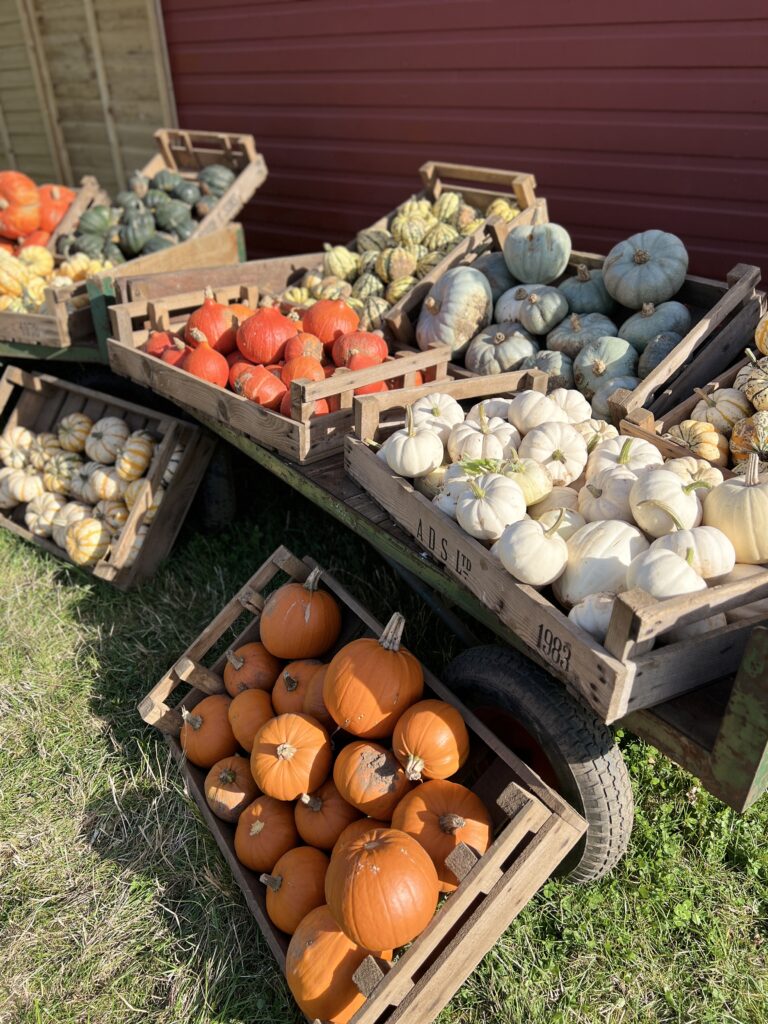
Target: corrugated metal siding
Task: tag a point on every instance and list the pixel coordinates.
(627, 124)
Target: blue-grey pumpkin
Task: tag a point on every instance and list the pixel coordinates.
(652, 320)
(556, 364)
(543, 309)
(601, 360)
(577, 330)
(601, 409)
(538, 252)
(648, 267)
(499, 348)
(459, 305)
(656, 351)
(586, 291)
(493, 266)
(510, 302)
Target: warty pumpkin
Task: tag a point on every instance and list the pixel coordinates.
(431, 740)
(370, 778)
(382, 888)
(300, 620)
(250, 666)
(291, 755)
(749, 436)
(322, 816)
(206, 735)
(370, 682)
(292, 684)
(229, 787)
(249, 710)
(440, 815)
(265, 832)
(295, 887)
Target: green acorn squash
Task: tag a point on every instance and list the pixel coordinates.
(138, 183)
(113, 252)
(155, 198)
(188, 192)
(129, 202)
(186, 229)
(90, 244)
(166, 180)
(157, 243)
(204, 206)
(216, 179)
(171, 215)
(96, 221)
(135, 232)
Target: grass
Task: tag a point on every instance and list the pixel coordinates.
(116, 907)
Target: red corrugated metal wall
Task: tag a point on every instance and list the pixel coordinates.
(630, 116)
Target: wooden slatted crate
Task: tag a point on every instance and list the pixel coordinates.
(631, 670)
(533, 827)
(38, 402)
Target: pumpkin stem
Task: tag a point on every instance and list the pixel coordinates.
(392, 633)
(208, 295)
(498, 337)
(599, 367)
(596, 492)
(705, 397)
(314, 803)
(193, 721)
(556, 525)
(227, 776)
(557, 456)
(750, 356)
(431, 304)
(235, 660)
(623, 458)
(292, 315)
(648, 308)
(285, 751)
(291, 682)
(4, 204)
(695, 485)
(520, 294)
(272, 882)
(476, 489)
(575, 322)
(582, 272)
(641, 256)
(483, 418)
(665, 508)
(451, 823)
(313, 580)
(414, 767)
(198, 336)
(533, 298)
(256, 827)
(689, 556)
(409, 424)
(752, 476)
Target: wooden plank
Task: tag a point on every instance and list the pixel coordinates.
(9, 157)
(161, 61)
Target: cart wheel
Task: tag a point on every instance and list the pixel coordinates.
(562, 741)
(217, 495)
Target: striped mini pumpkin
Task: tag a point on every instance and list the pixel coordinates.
(87, 541)
(173, 465)
(151, 512)
(416, 207)
(70, 513)
(14, 447)
(134, 457)
(440, 236)
(397, 289)
(42, 448)
(7, 500)
(79, 485)
(112, 512)
(750, 435)
(73, 430)
(60, 470)
(408, 230)
(24, 486)
(394, 263)
(107, 437)
(756, 387)
(40, 513)
(105, 483)
(132, 491)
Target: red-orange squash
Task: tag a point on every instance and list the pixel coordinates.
(301, 368)
(370, 683)
(370, 778)
(303, 344)
(382, 888)
(319, 966)
(237, 367)
(322, 816)
(440, 815)
(260, 386)
(314, 704)
(431, 740)
(206, 735)
(291, 686)
(215, 322)
(249, 710)
(250, 667)
(176, 354)
(205, 362)
(265, 831)
(34, 238)
(19, 205)
(262, 337)
(291, 755)
(329, 318)
(55, 200)
(229, 787)
(158, 342)
(295, 887)
(358, 343)
(300, 620)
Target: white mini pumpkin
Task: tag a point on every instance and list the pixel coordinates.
(80, 482)
(532, 479)
(599, 555)
(739, 508)
(439, 412)
(431, 484)
(491, 407)
(488, 504)
(73, 430)
(43, 446)
(691, 469)
(530, 409)
(70, 513)
(593, 615)
(172, 465)
(105, 439)
(87, 541)
(492, 438)
(705, 548)
(454, 483)
(135, 548)
(558, 497)
(606, 496)
(104, 483)
(532, 553)
(662, 502)
(663, 574)
(15, 443)
(113, 513)
(134, 457)
(60, 470)
(7, 500)
(595, 432)
(723, 409)
(40, 513)
(564, 521)
(632, 452)
(560, 449)
(24, 486)
(414, 451)
(574, 405)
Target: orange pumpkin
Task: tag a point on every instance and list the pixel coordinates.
(291, 755)
(355, 829)
(329, 318)
(319, 966)
(440, 815)
(248, 711)
(431, 740)
(19, 205)
(250, 667)
(213, 323)
(370, 683)
(55, 200)
(299, 620)
(314, 704)
(370, 778)
(206, 735)
(265, 831)
(303, 344)
(291, 686)
(229, 787)
(322, 816)
(260, 386)
(295, 886)
(301, 368)
(382, 888)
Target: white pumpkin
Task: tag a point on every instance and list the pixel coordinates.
(595, 432)
(70, 513)
(7, 500)
(105, 439)
(24, 486)
(439, 412)
(104, 483)
(113, 513)
(632, 452)
(560, 449)
(430, 484)
(73, 430)
(40, 513)
(488, 504)
(454, 483)
(414, 451)
(705, 548)
(134, 457)
(723, 409)
(661, 502)
(42, 448)
(606, 496)
(15, 443)
(530, 409)
(492, 407)
(593, 615)
(753, 610)
(599, 555)
(492, 438)
(574, 405)
(532, 553)
(691, 469)
(80, 482)
(739, 508)
(459, 304)
(172, 464)
(87, 541)
(558, 497)
(563, 521)
(157, 498)
(532, 479)
(663, 574)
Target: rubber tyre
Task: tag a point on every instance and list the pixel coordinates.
(585, 765)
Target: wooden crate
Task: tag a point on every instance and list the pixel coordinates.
(301, 438)
(533, 827)
(90, 192)
(723, 312)
(627, 673)
(38, 401)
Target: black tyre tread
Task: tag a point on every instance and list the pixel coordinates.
(593, 775)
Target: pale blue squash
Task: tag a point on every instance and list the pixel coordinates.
(600, 399)
(656, 351)
(537, 253)
(459, 304)
(648, 267)
(543, 309)
(499, 348)
(652, 320)
(586, 291)
(556, 364)
(602, 360)
(577, 330)
(510, 302)
(492, 266)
